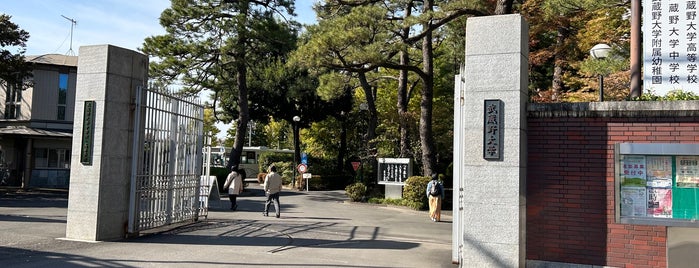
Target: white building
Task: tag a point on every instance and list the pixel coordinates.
(36, 124)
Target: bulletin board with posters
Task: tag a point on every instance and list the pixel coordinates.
(657, 184)
(394, 170)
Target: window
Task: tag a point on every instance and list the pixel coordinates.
(13, 95)
(248, 158)
(51, 158)
(62, 93)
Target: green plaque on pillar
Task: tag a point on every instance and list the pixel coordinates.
(88, 133)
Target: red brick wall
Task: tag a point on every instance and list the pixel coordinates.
(570, 189)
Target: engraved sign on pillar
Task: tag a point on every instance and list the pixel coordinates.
(88, 133)
(492, 129)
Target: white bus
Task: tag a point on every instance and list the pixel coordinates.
(249, 158)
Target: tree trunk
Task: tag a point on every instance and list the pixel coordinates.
(403, 98)
(426, 138)
(343, 146)
(370, 153)
(371, 104)
(503, 7)
(402, 105)
(557, 83)
(241, 80)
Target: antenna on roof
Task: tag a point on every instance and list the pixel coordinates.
(72, 23)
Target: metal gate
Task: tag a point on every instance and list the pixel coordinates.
(167, 160)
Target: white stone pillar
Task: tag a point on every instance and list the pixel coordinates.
(494, 190)
(98, 201)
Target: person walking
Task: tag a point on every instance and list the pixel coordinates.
(435, 194)
(272, 187)
(234, 184)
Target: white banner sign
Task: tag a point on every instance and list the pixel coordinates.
(670, 46)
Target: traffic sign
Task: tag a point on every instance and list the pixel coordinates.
(302, 168)
(355, 165)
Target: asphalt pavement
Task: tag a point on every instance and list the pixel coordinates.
(316, 229)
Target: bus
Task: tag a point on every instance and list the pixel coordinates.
(249, 158)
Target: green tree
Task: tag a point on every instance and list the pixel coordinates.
(209, 125)
(213, 44)
(561, 34)
(277, 133)
(13, 68)
(357, 37)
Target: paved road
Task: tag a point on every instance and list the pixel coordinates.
(316, 229)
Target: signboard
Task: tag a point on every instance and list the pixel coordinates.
(492, 129)
(88, 133)
(688, 171)
(208, 191)
(657, 184)
(670, 46)
(394, 170)
(307, 176)
(302, 168)
(355, 165)
(651, 174)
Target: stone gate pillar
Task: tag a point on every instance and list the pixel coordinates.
(493, 124)
(98, 201)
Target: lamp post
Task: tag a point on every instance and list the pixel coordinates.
(296, 120)
(600, 51)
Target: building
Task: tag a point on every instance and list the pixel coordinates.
(36, 124)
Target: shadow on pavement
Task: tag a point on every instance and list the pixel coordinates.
(33, 218)
(11, 257)
(33, 199)
(254, 233)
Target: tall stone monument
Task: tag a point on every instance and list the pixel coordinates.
(98, 202)
(491, 173)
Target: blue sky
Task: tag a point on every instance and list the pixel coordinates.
(123, 23)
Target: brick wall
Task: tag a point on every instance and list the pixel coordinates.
(570, 180)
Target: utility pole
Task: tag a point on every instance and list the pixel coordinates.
(636, 51)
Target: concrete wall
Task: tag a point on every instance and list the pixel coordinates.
(99, 192)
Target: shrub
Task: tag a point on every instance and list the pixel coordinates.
(330, 182)
(414, 192)
(274, 158)
(356, 191)
(674, 95)
(284, 169)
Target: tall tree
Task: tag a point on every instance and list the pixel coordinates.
(557, 45)
(13, 68)
(209, 125)
(503, 7)
(378, 31)
(212, 44)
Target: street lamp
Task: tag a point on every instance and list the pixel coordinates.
(296, 120)
(600, 51)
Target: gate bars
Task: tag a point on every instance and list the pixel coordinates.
(167, 160)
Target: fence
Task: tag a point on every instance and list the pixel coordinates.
(167, 165)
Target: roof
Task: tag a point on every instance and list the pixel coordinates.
(28, 131)
(54, 59)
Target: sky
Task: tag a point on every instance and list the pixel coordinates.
(122, 23)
